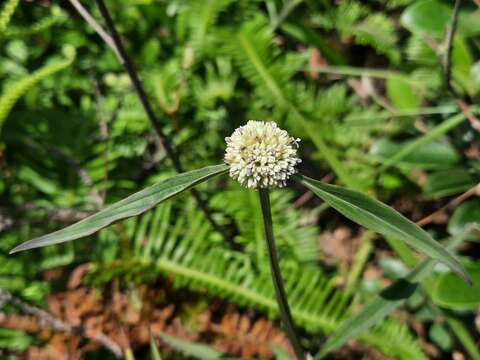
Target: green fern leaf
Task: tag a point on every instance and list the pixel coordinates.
(203, 15)
(6, 14)
(258, 60)
(195, 257)
(13, 92)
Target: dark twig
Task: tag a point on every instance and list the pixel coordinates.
(282, 301)
(450, 205)
(93, 23)
(46, 319)
(452, 28)
(474, 121)
(137, 84)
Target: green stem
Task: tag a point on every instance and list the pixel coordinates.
(463, 335)
(433, 134)
(276, 275)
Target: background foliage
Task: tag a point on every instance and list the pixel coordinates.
(360, 82)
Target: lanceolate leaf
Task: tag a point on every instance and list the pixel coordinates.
(378, 217)
(131, 206)
(384, 303)
(197, 350)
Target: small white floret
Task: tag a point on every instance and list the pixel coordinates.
(261, 155)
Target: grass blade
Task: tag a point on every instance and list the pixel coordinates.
(154, 352)
(131, 206)
(381, 218)
(196, 350)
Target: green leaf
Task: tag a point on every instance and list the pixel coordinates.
(418, 19)
(466, 214)
(154, 352)
(384, 303)
(401, 93)
(428, 17)
(448, 182)
(381, 218)
(441, 337)
(131, 206)
(198, 351)
(450, 293)
(431, 155)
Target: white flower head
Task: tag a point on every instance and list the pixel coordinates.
(261, 155)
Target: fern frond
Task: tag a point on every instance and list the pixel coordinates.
(378, 31)
(258, 59)
(295, 240)
(179, 242)
(219, 83)
(419, 52)
(355, 19)
(6, 14)
(396, 340)
(254, 53)
(14, 91)
(203, 15)
(43, 24)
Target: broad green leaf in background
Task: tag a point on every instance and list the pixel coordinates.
(433, 155)
(401, 93)
(431, 17)
(450, 293)
(380, 218)
(448, 182)
(131, 206)
(414, 147)
(440, 336)
(464, 215)
(427, 17)
(462, 63)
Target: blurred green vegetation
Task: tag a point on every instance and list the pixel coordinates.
(360, 82)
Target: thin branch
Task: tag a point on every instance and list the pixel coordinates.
(46, 319)
(137, 84)
(286, 11)
(450, 205)
(115, 42)
(282, 301)
(474, 121)
(94, 24)
(452, 28)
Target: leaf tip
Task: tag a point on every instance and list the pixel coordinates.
(463, 274)
(23, 246)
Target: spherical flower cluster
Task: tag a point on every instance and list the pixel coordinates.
(261, 155)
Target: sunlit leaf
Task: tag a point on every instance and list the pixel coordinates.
(427, 17)
(131, 206)
(464, 215)
(450, 293)
(381, 218)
